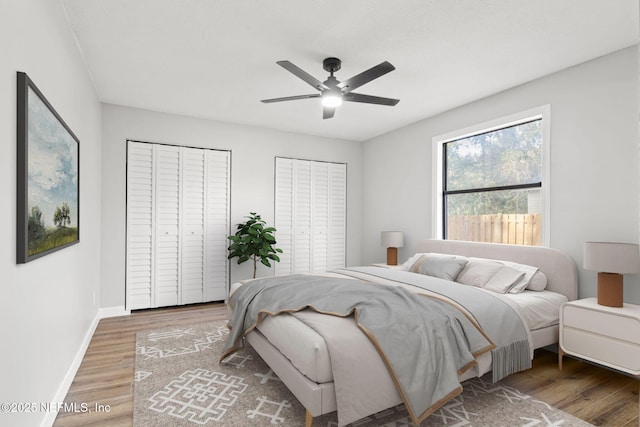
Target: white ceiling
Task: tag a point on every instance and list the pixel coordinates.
(216, 59)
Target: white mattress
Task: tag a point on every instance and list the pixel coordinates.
(304, 347)
(307, 350)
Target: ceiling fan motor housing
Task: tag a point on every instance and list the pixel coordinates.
(331, 64)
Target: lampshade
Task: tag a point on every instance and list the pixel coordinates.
(605, 257)
(392, 239)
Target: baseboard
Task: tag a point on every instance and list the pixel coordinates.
(63, 389)
(114, 311)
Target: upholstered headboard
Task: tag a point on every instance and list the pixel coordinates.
(560, 269)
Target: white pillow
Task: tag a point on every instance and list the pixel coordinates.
(410, 264)
(478, 271)
(538, 282)
(478, 275)
(504, 279)
(406, 266)
(528, 271)
(441, 267)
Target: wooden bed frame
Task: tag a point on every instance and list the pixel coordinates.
(559, 268)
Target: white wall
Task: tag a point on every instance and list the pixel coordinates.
(252, 177)
(594, 162)
(46, 306)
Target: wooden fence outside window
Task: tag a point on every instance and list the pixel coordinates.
(514, 229)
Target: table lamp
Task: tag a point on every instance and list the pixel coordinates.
(392, 240)
(611, 261)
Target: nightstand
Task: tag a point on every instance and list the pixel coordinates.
(609, 336)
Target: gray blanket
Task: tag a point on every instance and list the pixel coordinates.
(497, 318)
(424, 343)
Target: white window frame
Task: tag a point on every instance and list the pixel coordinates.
(542, 112)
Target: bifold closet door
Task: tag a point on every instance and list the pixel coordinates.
(310, 215)
(140, 229)
(167, 226)
(217, 203)
(284, 215)
(192, 226)
(302, 255)
(319, 201)
(337, 216)
(177, 224)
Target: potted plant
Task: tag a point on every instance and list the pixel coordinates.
(254, 240)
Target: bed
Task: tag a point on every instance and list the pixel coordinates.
(294, 345)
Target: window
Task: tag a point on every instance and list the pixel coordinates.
(492, 185)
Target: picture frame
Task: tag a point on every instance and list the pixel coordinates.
(48, 184)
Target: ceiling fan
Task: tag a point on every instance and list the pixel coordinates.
(333, 91)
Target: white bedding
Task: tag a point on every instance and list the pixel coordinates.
(539, 308)
(287, 331)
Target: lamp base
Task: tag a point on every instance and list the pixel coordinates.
(392, 256)
(610, 289)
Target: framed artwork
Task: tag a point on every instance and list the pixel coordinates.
(48, 177)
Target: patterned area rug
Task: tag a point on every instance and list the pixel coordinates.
(179, 382)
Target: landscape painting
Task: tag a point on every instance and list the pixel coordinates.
(48, 177)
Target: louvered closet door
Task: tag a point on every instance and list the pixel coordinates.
(139, 225)
(216, 225)
(310, 215)
(177, 225)
(337, 216)
(284, 215)
(192, 225)
(301, 217)
(167, 230)
(319, 216)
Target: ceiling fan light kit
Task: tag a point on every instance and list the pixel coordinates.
(331, 100)
(332, 91)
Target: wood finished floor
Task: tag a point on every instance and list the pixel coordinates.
(105, 377)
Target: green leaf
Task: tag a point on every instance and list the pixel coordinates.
(253, 240)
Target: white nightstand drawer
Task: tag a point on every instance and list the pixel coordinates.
(597, 322)
(601, 349)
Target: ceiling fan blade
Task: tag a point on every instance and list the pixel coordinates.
(328, 112)
(366, 76)
(290, 98)
(299, 72)
(368, 99)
